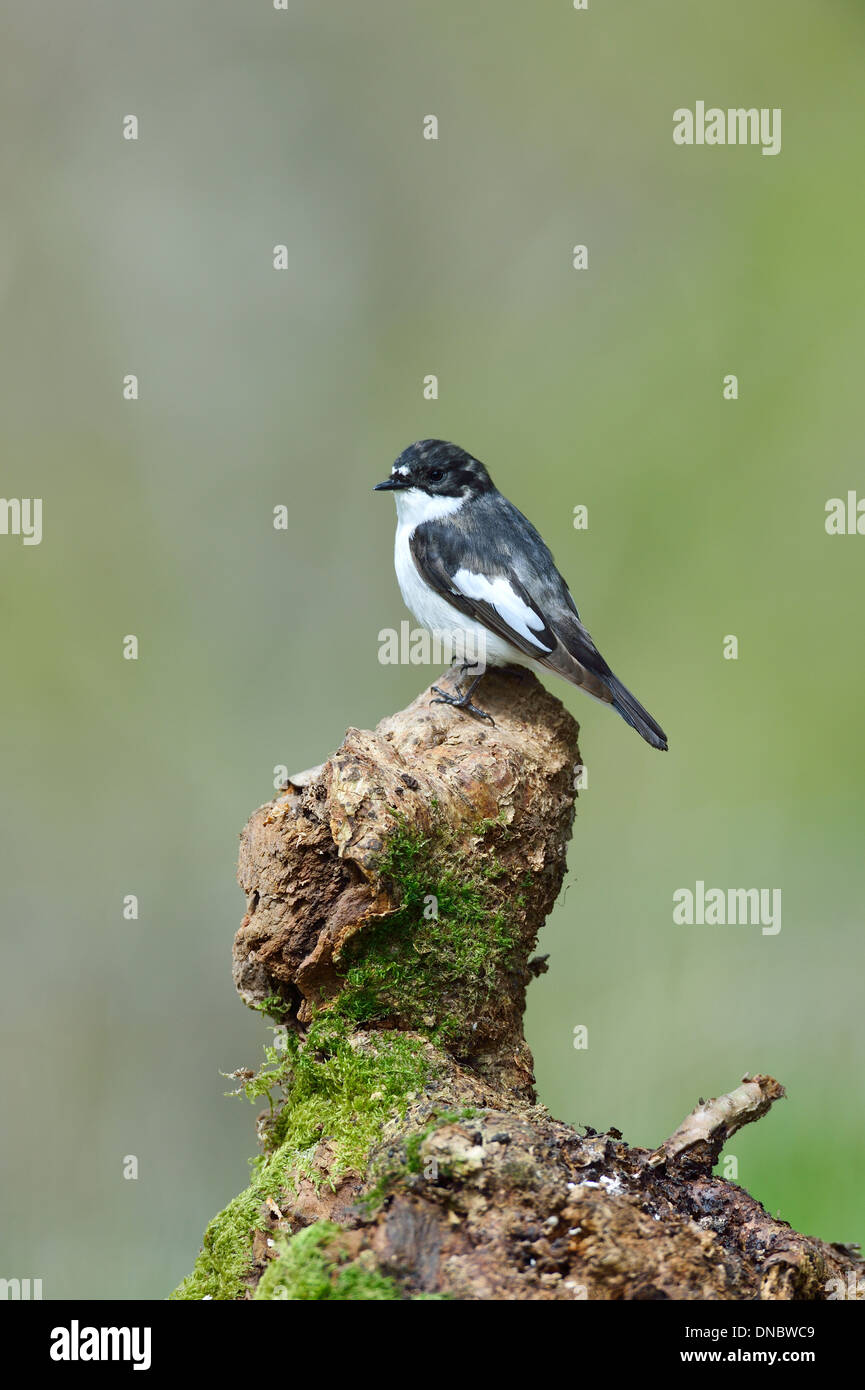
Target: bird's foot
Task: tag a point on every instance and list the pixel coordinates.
(462, 700)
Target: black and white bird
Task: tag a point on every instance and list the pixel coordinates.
(469, 563)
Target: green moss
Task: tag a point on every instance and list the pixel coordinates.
(435, 963)
(272, 1006)
(314, 1265)
(332, 1090)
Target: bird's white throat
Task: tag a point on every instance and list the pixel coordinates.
(414, 507)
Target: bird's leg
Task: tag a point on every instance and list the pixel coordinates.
(462, 700)
(464, 666)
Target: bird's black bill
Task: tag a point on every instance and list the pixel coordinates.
(391, 485)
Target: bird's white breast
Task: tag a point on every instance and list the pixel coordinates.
(431, 610)
(413, 507)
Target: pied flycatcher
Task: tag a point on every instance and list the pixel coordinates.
(471, 566)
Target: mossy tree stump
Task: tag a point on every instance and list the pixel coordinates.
(394, 899)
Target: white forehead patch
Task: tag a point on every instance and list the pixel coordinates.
(508, 604)
(403, 469)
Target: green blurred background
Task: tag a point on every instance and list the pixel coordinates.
(259, 647)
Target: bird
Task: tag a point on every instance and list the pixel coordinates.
(471, 566)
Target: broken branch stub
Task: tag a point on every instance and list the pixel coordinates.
(701, 1136)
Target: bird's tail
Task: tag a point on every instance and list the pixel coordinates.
(633, 713)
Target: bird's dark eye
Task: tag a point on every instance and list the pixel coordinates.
(436, 475)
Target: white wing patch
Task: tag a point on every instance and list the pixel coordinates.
(508, 604)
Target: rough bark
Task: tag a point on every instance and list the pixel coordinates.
(469, 1188)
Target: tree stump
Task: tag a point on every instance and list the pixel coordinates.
(394, 899)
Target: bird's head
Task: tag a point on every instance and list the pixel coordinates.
(437, 469)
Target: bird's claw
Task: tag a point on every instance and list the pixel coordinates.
(460, 702)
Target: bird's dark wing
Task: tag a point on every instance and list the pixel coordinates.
(482, 591)
(490, 564)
